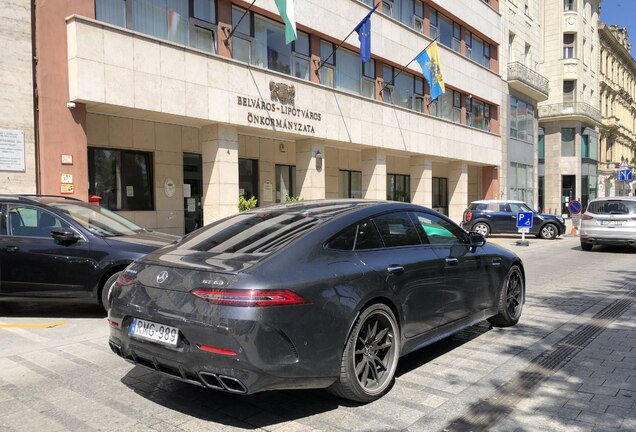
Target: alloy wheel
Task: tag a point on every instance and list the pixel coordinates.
(375, 352)
(482, 229)
(514, 294)
(548, 232)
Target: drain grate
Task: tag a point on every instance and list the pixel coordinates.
(489, 412)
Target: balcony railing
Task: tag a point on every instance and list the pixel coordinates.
(570, 109)
(520, 72)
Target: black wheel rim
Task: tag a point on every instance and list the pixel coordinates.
(374, 355)
(514, 292)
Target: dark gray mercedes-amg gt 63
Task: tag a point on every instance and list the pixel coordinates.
(309, 295)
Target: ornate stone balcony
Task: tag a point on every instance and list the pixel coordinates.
(525, 80)
(580, 111)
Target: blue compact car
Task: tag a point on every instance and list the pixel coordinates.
(500, 217)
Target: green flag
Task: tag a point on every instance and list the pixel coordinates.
(286, 10)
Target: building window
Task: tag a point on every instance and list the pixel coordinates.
(445, 26)
(398, 187)
(569, 5)
(541, 193)
(248, 178)
(404, 90)
(345, 71)
(589, 144)
(541, 148)
(447, 106)
(477, 114)
(285, 182)
(123, 178)
(521, 120)
(457, 37)
(478, 50)
(567, 141)
(405, 11)
(440, 195)
(568, 92)
(521, 179)
(588, 189)
(187, 22)
(350, 184)
(569, 45)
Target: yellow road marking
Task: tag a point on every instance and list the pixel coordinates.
(29, 326)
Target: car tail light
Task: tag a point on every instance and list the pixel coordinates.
(587, 217)
(124, 280)
(249, 298)
(216, 350)
(469, 216)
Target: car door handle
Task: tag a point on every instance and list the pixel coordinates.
(11, 249)
(395, 269)
(452, 261)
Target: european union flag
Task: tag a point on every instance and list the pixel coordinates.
(364, 34)
(429, 62)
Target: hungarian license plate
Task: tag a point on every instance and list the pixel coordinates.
(155, 332)
(612, 222)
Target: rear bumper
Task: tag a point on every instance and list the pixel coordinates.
(596, 240)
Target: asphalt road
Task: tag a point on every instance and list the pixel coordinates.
(570, 364)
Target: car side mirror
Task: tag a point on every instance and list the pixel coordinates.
(475, 240)
(64, 235)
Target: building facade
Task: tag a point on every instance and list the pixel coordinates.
(618, 128)
(520, 67)
(568, 119)
(17, 124)
(159, 112)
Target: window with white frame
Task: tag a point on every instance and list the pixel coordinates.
(521, 120)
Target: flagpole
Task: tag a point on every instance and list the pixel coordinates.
(404, 68)
(226, 41)
(322, 63)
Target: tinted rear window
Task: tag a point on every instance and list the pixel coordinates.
(261, 232)
(612, 207)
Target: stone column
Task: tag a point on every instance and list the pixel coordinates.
(310, 169)
(219, 145)
(457, 190)
(490, 182)
(374, 174)
(421, 181)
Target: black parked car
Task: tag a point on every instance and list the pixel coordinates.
(500, 217)
(55, 248)
(310, 295)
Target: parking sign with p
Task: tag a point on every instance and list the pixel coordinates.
(524, 221)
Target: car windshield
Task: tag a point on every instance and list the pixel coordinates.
(612, 207)
(98, 220)
(258, 232)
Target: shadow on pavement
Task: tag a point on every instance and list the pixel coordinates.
(50, 309)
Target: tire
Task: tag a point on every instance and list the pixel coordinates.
(586, 246)
(105, 290)
(511, 299)
(549, 231)
(370, 356)
(482, 228)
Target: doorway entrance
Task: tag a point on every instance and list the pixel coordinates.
(192, 191)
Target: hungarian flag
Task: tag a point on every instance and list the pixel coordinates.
(286, 10)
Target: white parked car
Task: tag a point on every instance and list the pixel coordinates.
(609, 221)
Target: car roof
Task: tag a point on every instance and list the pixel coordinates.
(498, 201)
(42, 199)
(614, 198)
(324, 209)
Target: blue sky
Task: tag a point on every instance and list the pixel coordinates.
(623, 14)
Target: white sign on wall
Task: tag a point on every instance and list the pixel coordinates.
(11, 150)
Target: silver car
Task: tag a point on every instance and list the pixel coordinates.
(610, 221)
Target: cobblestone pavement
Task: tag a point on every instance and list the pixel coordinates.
(569, 365)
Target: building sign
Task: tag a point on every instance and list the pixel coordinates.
(66, 179)
(280, 113)
(66, 188)
(11, 150)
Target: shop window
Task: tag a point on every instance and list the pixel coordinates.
(521, 178)
(588, 189)
(248, 178)
(350, 184)
(123, 178)
(567, 141)
(404, 90)
(398, 187)
(440, 194)
(285, 182)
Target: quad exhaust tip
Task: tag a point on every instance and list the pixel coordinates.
(223, 382)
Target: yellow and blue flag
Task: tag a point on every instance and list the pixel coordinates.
(431, 68)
